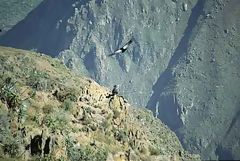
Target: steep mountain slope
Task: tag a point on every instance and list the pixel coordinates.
(85, 32)
(44, 29)
(183, 64)
(201, 100)
(47, 112)
(13, 11)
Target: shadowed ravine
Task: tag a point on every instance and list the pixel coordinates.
(169, 105)
(43, 29)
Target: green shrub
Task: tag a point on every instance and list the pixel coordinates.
(86, 117)
(23, 111)
(57, 120)
(36, 118)
(72, 97)
(44, 158)
(105, 125)
(121, 135)
(32, 94)
(67, 104)
(87, 153)
(154, 150)
(9, 93)
(38, 80)
(11, 148)
(9, 144)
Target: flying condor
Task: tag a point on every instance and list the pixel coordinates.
(122, 49)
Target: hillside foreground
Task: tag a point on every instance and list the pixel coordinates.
(50, 113)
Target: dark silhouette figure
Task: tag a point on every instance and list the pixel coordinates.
(122, 49)
(114, 91)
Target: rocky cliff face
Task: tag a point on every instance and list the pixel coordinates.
(49, 113)
(85, 32)
(182, 65)
(207, 89)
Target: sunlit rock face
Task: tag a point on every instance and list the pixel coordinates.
(183, 63)
(103, 26)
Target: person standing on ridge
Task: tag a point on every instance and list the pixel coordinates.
(114, 91)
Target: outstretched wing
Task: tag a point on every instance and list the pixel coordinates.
(112, 54)
(116, 52)
(127, 44)
(122, 49)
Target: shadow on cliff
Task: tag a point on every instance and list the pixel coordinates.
(44, 29)
(233, 122)
(167, 106)
(224, 154)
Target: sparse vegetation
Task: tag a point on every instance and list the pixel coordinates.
(47, 109)
(116, 113)
(9, 144)
(9, 94)
(65, 94)
(57, 120)
(37, 118)
(85, 153)
(93, 127)
(154, 151)
(23, 111)
(121, 135)
(11, 148)
(86, 117)
(143, 150)
(105, 125)
(67, 104)
(42, 104)
(38, 80)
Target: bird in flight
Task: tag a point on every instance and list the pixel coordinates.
(122, 49)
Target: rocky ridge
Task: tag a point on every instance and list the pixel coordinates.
(48, 112)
